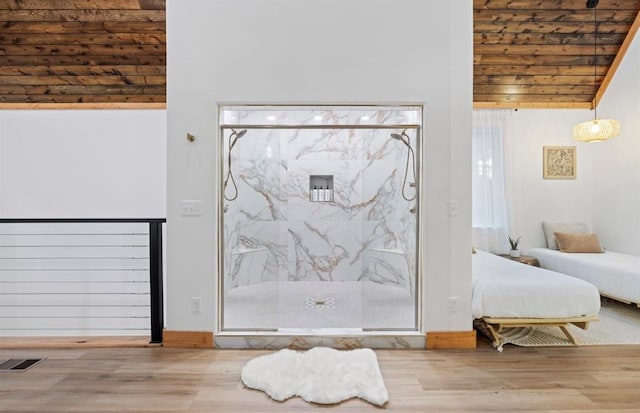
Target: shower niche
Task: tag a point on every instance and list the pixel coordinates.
(320, 188)
(319, 218)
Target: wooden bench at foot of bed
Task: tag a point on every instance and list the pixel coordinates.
(496, 325)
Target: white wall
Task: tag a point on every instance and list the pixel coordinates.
(78, 164)
(606, 193)
(82, 163)
(616, 163)
(318, 51)
(536, 199)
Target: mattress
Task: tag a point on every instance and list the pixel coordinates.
(616, 275)
(507, 289)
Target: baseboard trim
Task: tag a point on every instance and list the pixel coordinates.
(451, 339)
(187, 339)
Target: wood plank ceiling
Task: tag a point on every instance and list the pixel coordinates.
(85, 52)
(112, 53)
(540, 53)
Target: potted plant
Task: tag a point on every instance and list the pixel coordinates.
(515, 252)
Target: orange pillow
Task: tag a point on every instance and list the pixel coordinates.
(577, 242)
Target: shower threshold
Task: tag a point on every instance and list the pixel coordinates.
(339, 338)
(321, 331)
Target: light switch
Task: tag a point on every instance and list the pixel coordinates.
(191, 208)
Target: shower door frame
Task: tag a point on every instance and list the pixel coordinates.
(220, 280)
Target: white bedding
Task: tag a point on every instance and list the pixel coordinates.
(616, 275)
(507, 289)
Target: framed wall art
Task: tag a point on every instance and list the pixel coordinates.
(559, 162)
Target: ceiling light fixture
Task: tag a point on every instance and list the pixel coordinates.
(595, 130)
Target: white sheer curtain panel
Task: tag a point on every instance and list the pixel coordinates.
(489, 216)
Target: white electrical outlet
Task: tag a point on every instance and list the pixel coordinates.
(453, 304)
(191, 208)
(454, 211)
(196, 305)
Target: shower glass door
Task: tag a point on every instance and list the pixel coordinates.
(319, 209)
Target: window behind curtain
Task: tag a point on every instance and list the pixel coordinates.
(489, 213)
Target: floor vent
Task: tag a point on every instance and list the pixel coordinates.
(18, 364)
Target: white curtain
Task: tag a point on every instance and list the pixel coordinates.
(490, 215)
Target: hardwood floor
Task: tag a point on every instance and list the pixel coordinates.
(155, 379)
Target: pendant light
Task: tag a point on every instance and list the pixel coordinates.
(595, 130)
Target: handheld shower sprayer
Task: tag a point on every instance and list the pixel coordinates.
(233, 139)
(404, 138)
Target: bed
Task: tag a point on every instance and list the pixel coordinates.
(616, 275)
(510, 294)
(573, 250)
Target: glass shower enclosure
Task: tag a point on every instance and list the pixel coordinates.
(318, 218)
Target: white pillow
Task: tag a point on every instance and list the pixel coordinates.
(551, 227)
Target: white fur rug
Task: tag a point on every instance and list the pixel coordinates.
(320, 375)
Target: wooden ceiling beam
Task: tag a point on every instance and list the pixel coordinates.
(96, 105)
(553, 15)
(79, 89)
(585, 80)
(83, 70)
(95, 80)
(114, 39)
(549, 69)
(549, 27)
(546, 38)
(552, 4)
(79, 50)
(511, 97)
(586, 91)
(531, 105)
(80, 27)
(550, 49)
(82, 4)
(543, 60)
(83, 98)
(88, 15)
(90, 60)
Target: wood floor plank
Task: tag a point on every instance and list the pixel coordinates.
(156, 379)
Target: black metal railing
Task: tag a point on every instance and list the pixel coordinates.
(155, 259)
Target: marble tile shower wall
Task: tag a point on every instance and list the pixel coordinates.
(273, 232)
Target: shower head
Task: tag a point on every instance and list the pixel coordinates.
(237, 135)
(401, 137)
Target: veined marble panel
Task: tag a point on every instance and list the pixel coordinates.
(381, 190)
(345, 341)
(256, 253)
(261, 190)
(347, 191)
(256, 144)
(389, 267)
(321, 251)
(321, 115)
(324, 144)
